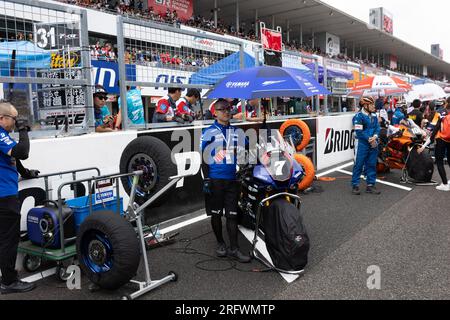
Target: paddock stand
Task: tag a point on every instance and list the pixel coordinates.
(138, 214)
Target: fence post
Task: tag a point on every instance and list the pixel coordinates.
(86, 60)
(122, 73)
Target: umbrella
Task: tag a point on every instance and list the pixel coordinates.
(382, 84)
(27, 55)
(268, 82)
(425, 92)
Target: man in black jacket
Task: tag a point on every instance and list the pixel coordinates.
(416, 115)
(11, 153)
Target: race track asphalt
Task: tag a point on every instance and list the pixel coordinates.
(405, 234)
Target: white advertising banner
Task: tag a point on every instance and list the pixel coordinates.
(333, 44)
(163, 76)
(335, 140)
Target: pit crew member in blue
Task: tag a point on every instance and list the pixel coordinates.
(11, 153)
(399, 115)
(367, 130)
(219, 146)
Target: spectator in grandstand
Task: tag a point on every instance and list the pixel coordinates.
(416, 115)
(135, 107)
(441, 134)
(220, 187)
(11, 154)
(185, 105)
(104, 121)
(367, 130)
(166, 106)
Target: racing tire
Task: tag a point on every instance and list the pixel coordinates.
(108, 250)
(153, 157)
(299, 130)
(308, 168)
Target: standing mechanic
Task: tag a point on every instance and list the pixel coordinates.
(219, 147)
(441, 133)
(367, 130)
(11, 153)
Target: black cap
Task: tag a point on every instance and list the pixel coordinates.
(99, 89)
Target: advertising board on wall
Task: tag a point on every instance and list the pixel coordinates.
(393, 62)
(388, 23)
(335, 141)
(183, 8)
(333, 46)
(382, 20)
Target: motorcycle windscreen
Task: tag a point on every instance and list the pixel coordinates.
(278, 164)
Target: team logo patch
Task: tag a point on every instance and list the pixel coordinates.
(359, 127)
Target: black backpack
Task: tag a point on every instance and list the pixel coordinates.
(285, 235)
(420, 167)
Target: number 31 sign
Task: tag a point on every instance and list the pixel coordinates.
(56, 36)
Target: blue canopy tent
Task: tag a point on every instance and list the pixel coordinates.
(27, 56)
(21, 59)
(331, 73)
(219, 70)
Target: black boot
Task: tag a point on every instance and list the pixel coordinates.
(17, 287)
(221, 250)
(239, 256)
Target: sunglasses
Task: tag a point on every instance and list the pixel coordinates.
(7, 115)
(102, 97)
(224, 110)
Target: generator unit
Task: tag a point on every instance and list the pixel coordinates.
(43, 225)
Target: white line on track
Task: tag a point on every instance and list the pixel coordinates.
(184, 224)
(334, 170)
(40, 275)
(380, 181)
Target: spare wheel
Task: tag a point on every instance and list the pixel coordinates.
(108, 249)
(298, 130)
(153, 157)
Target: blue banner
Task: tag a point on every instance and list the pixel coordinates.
(106, 73)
